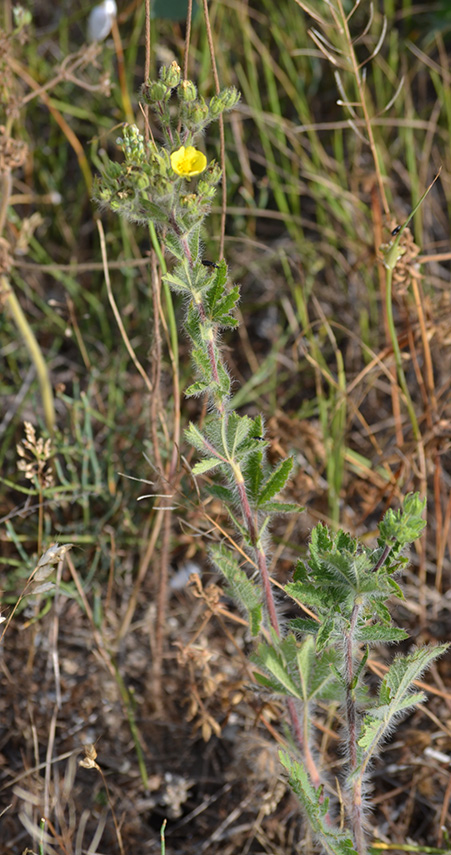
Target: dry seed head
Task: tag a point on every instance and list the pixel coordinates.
(89, 760)
(406, 267)
(13, 153)
(35, 454)
(6, 259)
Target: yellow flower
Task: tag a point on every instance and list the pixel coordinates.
(188, 161)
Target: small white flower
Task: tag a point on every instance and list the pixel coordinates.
(101, 20)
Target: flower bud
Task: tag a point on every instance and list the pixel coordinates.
(103, 193)
(153, 91)
(170, 74)
(229, 97)
(113, 169)
(141, 181)
(213, 173)
(226, 100)
(189, 200)
(206, 191)
(187, 91)
(199, 113)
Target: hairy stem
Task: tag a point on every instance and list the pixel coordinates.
(351, 717)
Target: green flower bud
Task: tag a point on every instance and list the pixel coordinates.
(188, 201)
(226, 100)
(187, 91)
(103, 193)
(229, 97)
(153, 91)
(132, 143)
(141, 181)
(22, 17)
(216, 107)
(199, 113)
(170, 74)
(213, 173)
(206, 191)
(113, 170)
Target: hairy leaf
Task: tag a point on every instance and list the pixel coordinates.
(271, 661)
(276, 481)
(195, 389)
(282, 508)
(177, 282)
(315, 806)
(395, 696)
(240, 587)
(378, 633)
(205, 465)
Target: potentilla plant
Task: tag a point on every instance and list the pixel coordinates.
(343, 585)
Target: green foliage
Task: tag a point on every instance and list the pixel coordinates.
(299, 670)
(316, 806)
(242, 589)
(406, 524)
(340, 572)
(346, 583)
(275, 482)
(395, 697)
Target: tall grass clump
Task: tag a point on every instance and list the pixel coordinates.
(342, 586)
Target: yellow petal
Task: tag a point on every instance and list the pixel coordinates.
(188, 161)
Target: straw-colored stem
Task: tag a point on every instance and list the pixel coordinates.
(397, 353)
(35, 352)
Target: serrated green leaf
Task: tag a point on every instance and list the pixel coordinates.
(315, 806)
(272, 662)
(406, 524)
(202, 362)
(225, 305)
(305, 593)
(253, 472)
(282, 508)
(324, 634)
(276, 481)
(266, 681)
(192, 322)
(217, 288)
(238, 428)
(395, 696)
(172, 243)
(195, 389)
(152, 211)
(378, 633)
(193, 238)
(238, 525)
(320, 544)
(205, 465)
(224, 379)
(219, 492)
(242, 589)
(304, 625)
(196, 438)
(382, 612)
(177, 283)
(395, 588)
(404, 670)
